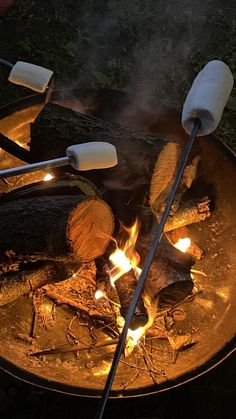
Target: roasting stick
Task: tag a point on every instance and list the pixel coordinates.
(87, 156)
(201, 114)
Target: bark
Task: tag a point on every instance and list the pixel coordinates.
(16, 284)
(58, 228)
(193, 211)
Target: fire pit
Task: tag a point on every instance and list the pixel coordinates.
(209, 317)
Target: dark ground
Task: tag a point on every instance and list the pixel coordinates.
(151, 49)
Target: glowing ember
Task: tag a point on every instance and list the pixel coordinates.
(99, 294)
(183, 244)
(48, 177)
(135, 335)
(125, 259)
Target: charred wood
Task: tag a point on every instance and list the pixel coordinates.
(125, 287)
(169, 277)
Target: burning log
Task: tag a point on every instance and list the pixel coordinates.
(16, 284)
(169, 277)
(69, 228)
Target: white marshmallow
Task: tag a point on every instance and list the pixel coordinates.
(30, 75)
(207, 97)
(91, 156)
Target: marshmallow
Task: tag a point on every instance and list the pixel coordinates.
(207, 97)
(91, 156)
(30, 75)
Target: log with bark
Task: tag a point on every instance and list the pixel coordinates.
(16, 284)
(64, 227)
(56, 128)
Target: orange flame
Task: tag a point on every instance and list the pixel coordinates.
(183, 244)
(123, 260)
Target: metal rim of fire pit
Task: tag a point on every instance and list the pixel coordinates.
(33, 378)
(30, 378)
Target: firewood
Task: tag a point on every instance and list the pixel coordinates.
(179, 233)
(76, 228)
(15, 182)
(169, 277)
(16, 284)
(56, 128)
(191, 212)
(67, 185)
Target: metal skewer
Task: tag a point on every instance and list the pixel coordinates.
(34, 167)
(157, 237)
(201, 114)
(85, 156)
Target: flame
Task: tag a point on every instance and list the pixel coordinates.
(183, 244)
(48, 177)
(99, 294)
(135, 335)
(123, 260)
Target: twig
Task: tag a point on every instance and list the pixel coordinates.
(73, 348)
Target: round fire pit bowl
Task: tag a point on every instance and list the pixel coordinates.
(210, 317)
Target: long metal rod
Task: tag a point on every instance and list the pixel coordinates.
(6, 63)
(157, 237)
(34, 167)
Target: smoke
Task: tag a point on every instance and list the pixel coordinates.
(149, 48)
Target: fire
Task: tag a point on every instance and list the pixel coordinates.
(135, 335)
(183, 244)
(48, 177)
(99, 294)
(123, 260)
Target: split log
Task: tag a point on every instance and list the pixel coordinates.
(76, 228)
(56, 128)
(191, 212)
(16, 284)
